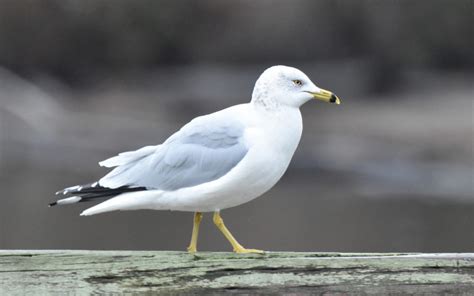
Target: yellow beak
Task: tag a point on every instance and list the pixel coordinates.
(326, 96)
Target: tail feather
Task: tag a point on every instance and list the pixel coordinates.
(65, 201)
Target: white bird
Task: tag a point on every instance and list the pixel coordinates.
(214, 162)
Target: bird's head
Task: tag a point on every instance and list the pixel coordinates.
(288, 86)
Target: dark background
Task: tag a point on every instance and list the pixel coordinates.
(390, 169)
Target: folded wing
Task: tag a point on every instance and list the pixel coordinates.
(202, 151)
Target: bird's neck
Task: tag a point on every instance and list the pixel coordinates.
(285, 119)
(262, 98)
(266, 104)
(271, 107)
(265, 101)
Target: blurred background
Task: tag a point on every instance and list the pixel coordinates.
(390, 169)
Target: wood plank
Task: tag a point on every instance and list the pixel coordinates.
(85, 272)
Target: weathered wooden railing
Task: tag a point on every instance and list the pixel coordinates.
(86, 272)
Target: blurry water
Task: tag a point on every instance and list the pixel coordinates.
(377, 173)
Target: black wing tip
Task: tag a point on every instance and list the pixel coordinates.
(91, 191)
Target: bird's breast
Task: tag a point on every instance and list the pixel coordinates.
(275, 140)
(283, 131)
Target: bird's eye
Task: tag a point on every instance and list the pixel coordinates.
(298, 82)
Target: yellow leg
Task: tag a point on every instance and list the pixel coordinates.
(194, 237)
(235, 244)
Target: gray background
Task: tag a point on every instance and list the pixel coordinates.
(391, 169)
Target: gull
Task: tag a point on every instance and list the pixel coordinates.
(215, 162)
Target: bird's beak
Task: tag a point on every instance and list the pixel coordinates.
(325, 96)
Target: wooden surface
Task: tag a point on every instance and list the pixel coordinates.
(85, 272)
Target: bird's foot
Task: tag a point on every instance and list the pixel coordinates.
(243, 250)
(192, 250)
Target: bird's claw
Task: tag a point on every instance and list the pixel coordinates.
(248, 251)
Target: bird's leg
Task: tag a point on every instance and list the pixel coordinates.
(235, 244)
(194, 236)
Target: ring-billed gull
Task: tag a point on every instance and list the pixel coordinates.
(214, 162)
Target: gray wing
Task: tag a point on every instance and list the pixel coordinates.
(202, 151)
